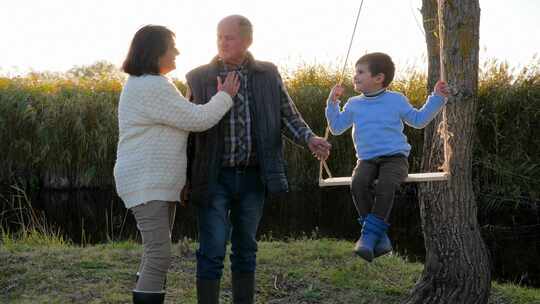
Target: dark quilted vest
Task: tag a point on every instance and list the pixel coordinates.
(206, 148)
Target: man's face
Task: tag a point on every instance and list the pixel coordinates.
(232, 47)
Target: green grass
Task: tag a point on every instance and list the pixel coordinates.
(296, 271)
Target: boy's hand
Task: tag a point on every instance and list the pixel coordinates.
(336, 93)
(441, 89)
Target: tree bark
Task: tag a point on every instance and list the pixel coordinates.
(457, 268)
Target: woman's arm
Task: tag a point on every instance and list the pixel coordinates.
(165, 105)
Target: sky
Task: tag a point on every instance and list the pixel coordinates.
(55, 35)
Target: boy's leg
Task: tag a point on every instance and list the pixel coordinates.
(393, 171)
(374, 240)
(364, 175)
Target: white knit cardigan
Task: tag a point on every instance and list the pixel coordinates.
(154, 122)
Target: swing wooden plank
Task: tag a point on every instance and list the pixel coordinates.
(412, 178)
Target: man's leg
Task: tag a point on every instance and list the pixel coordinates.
(214, 227)
(246, 213)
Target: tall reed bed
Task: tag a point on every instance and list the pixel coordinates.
(58, 132)
(62, 132)
(506, 159)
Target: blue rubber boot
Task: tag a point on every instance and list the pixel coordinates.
(383, 247)
(373, 231)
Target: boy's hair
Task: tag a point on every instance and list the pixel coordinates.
(379, 63)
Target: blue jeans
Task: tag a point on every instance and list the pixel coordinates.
(234, 212)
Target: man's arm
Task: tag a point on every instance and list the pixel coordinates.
(295, 128)
(293, 125)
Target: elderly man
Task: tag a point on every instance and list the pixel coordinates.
(235, 164)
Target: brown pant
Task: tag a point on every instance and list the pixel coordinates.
(155, 220)
(378, 198)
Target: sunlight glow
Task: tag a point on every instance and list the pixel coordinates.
(56, 35)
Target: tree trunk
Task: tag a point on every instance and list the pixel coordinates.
(457, 268)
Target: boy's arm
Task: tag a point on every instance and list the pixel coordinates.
(419, 118)
(338, 121)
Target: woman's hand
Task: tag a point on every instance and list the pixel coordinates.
(230, 85)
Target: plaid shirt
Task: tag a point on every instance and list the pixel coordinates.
(239, 130)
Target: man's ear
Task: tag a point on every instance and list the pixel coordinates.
(248, 42)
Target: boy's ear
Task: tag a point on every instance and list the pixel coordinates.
(379, 78)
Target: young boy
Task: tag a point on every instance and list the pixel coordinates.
(377, 117)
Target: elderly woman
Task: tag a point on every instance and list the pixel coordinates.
(155, 120)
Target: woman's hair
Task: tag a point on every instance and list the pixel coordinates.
(148, 45)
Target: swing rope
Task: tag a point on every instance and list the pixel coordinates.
(442, 128)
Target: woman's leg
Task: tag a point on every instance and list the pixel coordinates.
(172, 213)
(153, 221)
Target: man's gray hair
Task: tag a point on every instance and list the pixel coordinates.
(246, 29)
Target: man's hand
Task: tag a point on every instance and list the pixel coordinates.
(320, 147)
(336, 93)
(441, 89)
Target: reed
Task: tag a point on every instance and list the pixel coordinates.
(61, 131)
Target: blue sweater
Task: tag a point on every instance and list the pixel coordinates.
(378, 122)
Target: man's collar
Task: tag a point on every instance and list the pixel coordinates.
(249, 63)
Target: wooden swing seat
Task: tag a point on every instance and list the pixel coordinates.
(412, 178)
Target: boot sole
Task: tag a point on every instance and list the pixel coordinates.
(365, 254)
(377, 254)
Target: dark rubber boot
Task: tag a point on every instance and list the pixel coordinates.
(207, 291)
(243, 288)
(141, 297)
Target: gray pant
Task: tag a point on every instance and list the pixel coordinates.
(378, 198)
(155, 220)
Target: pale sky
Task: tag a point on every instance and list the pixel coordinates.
(55, 35)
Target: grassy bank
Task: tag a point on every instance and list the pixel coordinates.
(39, 269)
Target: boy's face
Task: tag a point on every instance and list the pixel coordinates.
(364, 82)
